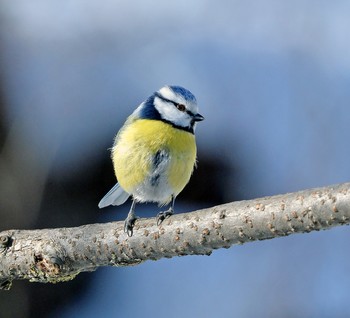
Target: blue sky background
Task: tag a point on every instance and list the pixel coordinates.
(271, 78)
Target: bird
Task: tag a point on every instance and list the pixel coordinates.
(154, 153)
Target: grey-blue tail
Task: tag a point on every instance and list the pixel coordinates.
(115, 196)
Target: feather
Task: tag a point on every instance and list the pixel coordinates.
(115, 196)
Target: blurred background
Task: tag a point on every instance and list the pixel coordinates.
(271, 78)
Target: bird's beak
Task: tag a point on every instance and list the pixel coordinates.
(198, 117)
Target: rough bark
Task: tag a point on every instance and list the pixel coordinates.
(55, 255)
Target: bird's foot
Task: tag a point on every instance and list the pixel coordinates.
(129, 225)
(161, 216)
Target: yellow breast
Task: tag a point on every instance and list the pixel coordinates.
(135, 148)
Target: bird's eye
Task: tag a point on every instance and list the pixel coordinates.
(181, 107)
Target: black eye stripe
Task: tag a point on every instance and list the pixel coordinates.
(172, 102)
(189, 112)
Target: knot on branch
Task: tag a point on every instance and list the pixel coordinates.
(5, 243)
(47, 265)
(50, 264)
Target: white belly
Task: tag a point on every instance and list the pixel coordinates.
(155, 187)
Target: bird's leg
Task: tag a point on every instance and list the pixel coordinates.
(130, 220)
(161, 216)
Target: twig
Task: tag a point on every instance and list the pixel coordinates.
(55, 255)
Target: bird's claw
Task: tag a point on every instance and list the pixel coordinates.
(161, 216)
(129, 225)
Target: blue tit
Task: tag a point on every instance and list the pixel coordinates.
(154, 153)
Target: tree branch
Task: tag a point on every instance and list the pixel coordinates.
(55, 255)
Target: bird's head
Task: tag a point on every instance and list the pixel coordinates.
(173, 104)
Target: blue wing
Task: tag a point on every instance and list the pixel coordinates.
(115, 196)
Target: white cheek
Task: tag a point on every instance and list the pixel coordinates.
(166, 111)
(170, 113)
(183, 121)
